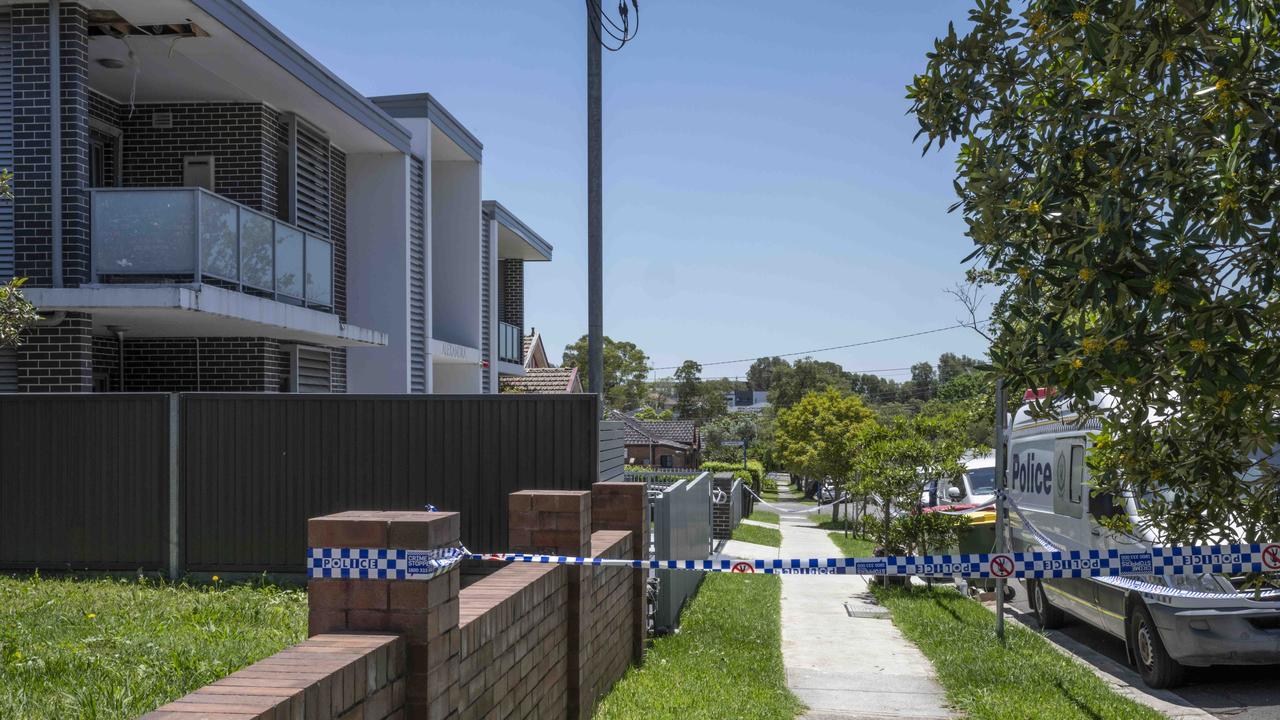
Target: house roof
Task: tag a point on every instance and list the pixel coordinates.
(673, 433)
(535, 355)
(542, 381)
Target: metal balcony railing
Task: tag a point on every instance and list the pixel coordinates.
(510, 343)
(191, 234)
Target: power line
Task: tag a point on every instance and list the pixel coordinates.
(828, 349)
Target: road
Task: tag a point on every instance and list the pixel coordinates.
(1235, 692)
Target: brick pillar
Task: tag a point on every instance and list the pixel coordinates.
(558, 522)
(625, 506)
(425, 613)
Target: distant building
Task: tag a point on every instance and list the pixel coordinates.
(660, 443)
(746, 400)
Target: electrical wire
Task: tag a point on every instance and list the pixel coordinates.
(828, 349)
(627, 32)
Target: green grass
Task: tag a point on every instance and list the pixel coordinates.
(765, 516)
(726, 661)
(1026, 678)
(758, 535)
(852, 546)
(106, 648)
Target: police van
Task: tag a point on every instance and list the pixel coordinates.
(1186, 621)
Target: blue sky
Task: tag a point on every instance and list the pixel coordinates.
(762, 191)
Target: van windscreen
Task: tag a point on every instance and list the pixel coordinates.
(982, 481)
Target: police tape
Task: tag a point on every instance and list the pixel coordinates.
(785, 511)
(381, 563)
(1258, 557)
(1270, 556)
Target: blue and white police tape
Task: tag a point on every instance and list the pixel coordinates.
(1034, 564)
(1174, 561)
(782, 510)
(381, 563)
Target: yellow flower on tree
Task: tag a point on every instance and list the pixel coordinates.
(1092, 345)
(1077, 363)
(1121, 345)
(1161, 286)
(1253, 388)
(1168, 56)
(1199, 345)
(1024, 273)
(1080, 16)
(1033, 207)
(1085, 274)
(1131, 380)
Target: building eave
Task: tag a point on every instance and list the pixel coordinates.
(271, 42)
(423, 105)
(507, 219)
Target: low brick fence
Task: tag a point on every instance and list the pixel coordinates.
(542, 641)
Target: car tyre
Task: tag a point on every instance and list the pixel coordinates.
(1049, 617)
(1158, 669)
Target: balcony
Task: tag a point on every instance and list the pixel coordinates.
(176, 235)
(510, 343)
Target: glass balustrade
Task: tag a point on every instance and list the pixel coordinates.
(148, 235)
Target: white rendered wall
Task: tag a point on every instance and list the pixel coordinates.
(457, 379)
(455, 252)
(377, 269)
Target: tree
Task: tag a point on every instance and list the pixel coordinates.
(625, 367)
(952, 366)
(760, 374)
(815, 436)
(1117, 170)
(647, 412)
(923, 382)
(688, 388)
(892, 463)
(740, 426)
(789, 384)
(16, 314)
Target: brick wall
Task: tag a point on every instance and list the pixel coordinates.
(31, 149)
(608, 642)
(541, 641)
(240, 136)
(57, 358)
(722, 513)
(512, 272)
(514, 649)
(327, 677)
(220, 364)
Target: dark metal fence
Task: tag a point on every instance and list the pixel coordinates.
(84, 481)
(250, 469)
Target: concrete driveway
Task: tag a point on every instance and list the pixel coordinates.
(1235, 692)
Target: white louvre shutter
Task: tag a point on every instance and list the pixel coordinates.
(417, 278)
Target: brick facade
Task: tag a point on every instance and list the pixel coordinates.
(512, 273)
(31, 149)
(57, 358)
(246, 140)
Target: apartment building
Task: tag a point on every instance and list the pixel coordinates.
(228, 215)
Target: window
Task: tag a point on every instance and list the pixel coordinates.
(665, 461)
(1077, 472)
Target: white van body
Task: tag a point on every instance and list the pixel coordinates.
(977, 484)
(1047, 478)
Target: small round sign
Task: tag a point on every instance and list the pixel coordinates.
(1271, 557)
(743, 567)
(1001, 566)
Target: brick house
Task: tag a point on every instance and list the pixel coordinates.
(229, 215)
(660, 443)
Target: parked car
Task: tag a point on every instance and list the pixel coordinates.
(1164, 633)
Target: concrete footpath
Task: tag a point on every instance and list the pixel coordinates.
(843, 656)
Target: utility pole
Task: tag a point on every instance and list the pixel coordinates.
(595, 209)
(1001, 513)
(599, 36)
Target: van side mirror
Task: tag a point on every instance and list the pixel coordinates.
(953, 493)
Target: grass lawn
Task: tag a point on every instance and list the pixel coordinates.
(1028, 678)
(852, 546)
(105, 648)
(758, 535)
(765, 516)
(726, 661)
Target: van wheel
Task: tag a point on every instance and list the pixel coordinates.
(1049, 617)
(1157, 668)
